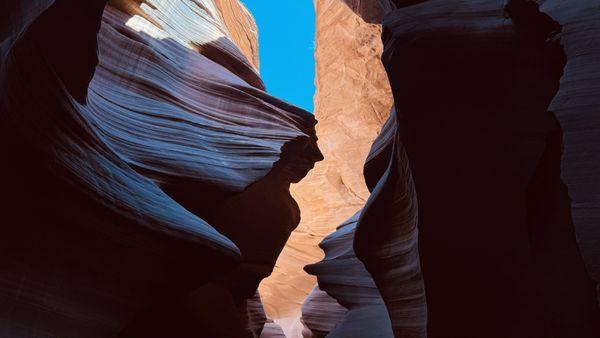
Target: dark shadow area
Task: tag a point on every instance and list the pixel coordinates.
(370, 11)
(55, 34)
(495, 227)
(221, 51)
(259, 221)
(75, 264)
(556, 253)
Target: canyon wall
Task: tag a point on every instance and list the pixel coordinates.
(429, 75)
(241, 28)
(576, 106)
(345, 278)
(352, 102)
(149, 171)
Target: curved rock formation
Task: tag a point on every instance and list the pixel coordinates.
(496, 235)
(387, 243)
(575, 107)
(127, 128)
(272, 330)
(345, 279)
(148, 173)
(320, 313)
(386, 238)
(351, 103)
(241, 28)
(473, 89)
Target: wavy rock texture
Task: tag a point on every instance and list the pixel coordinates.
(576, 106)
(351, 103)
(118, 158)
(256, 320)
(387, 243)
(386, 236)
(272, 330)
(472, 91)
(320, 313)
(241, 28)
(345, 279)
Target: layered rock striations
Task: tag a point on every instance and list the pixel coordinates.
(132, 132)
(386, 235)
(384, 290)
(351, 103)
(486, 98)
(148, 173)
(342, 276)
(321, 313)
(576, 106)
(241, 28)
(472, 94)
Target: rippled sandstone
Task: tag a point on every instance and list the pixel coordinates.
(127, 127)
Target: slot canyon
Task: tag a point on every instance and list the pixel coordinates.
(447, 184)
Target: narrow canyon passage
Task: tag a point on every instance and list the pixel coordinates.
(472, 107)
(300, 169)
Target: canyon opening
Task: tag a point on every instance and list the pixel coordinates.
(300, 169)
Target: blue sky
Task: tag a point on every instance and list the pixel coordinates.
(286, 30)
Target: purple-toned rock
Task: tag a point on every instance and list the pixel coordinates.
(473, 84)
(124, 130)
(320, 314)
(576, 106)
(348, 283)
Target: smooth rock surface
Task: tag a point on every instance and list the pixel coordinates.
(472, 91)
(577, 106)
(386, 235)
(241, 28)
(125, 129)
(351, 103)
(573, 107)
(320, 313)
(345, 279)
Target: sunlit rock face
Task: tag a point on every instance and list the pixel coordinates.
(132, 131)
(473, 151)
(352, 102)
(241, 28)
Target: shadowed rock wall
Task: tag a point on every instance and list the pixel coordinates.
(132, 133)
(440, 72)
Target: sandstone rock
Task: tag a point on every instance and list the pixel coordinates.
(118, 158)
(427, 79)
(386, 237)
(472, 91)
(351, 103)
(272, 330)
(241, 28)
(254, 315)
(576, 105)
(345, 278)
(320, 314)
